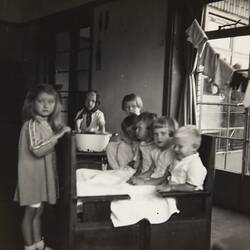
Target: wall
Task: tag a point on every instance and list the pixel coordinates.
(32, 9)
(17, 67)
(11, 10)
(131, 58)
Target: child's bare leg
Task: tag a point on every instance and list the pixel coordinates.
(27, 225)
(37, 224)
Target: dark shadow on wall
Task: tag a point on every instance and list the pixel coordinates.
(13, 89)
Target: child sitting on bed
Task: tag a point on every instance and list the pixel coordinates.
(90, 118)
(187, 172)
(162, 155)
(145, 138)
(122, 153)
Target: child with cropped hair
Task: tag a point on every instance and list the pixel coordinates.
(187, 172)
(122, 153)
(145, 138)
(162, 155)
(132, 103)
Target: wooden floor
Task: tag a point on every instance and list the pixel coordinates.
(229, 229)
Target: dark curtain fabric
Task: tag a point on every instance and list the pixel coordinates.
(179, 87)
(187, 101)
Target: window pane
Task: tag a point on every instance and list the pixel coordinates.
(63, 41)
(234, 161)
(63, 80)
(230, 14)
(211, 118)
(85, 38)
(83, 60)
(227, 159)
(62, 61)
(82, 81)
(220, 160)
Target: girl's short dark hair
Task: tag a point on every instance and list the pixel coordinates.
(169, 122)
(148, 118)
(128, 121)
(132, 97)
(28, 111)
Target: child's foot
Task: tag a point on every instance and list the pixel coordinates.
(47, 248)
(42, 246)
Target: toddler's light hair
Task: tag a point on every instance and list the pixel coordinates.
(192, 132)
(166, 122)
(132, 97)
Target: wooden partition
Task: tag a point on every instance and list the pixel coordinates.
(190, 229)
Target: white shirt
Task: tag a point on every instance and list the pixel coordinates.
(189, 170)
(97, 119)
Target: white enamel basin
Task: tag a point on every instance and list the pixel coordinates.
(92, 142)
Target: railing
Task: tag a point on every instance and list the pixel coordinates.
(229, 142)
(237, 7)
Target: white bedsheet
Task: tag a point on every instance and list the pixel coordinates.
(145, 202)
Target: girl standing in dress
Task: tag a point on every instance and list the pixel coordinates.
(37, 175)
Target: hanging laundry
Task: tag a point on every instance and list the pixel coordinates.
(209, 60)
(239, 81)
(195, 33)
(196, 36)
(223, 73)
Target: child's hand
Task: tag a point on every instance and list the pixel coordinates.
(64, 130)
(136, 181)
(163, 188)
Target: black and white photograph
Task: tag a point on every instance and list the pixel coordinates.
(125, 124)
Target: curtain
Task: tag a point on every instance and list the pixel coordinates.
(179, 86)
(187, 101)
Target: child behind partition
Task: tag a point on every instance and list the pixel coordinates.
(122, 154)
(132, 103)
(162, 155)
(37, 175)
(145, 138)
(187, 172)
(90, 118)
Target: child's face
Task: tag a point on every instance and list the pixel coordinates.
(131, 107)
(184, 146)
(161, 137)
(142, 131)
(44, 104)
(131, 132)
(90, 101)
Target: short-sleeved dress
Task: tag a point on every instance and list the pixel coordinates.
(162, 160)
(37, 174)
(121, 153)
(146, 149)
